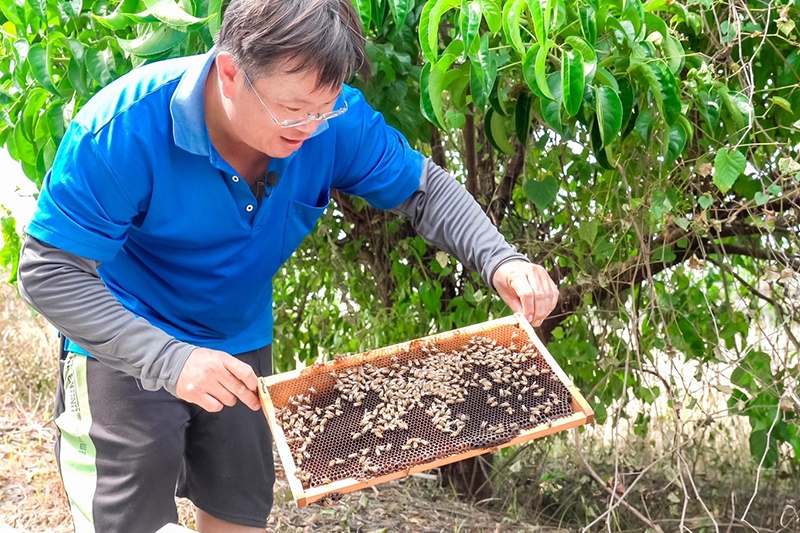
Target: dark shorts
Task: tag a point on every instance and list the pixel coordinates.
(125, 452)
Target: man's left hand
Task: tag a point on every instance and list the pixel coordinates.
(526, 288)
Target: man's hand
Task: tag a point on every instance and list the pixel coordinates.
(526, 288)
(213, 379)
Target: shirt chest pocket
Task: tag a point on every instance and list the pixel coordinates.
(300, 221)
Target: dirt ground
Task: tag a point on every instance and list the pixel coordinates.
(32, 500)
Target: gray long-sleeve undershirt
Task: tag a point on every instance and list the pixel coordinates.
(68, 291)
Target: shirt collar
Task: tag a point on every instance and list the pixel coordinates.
(188, 107)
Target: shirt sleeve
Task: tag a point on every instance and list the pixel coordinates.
(373, 160)
(67, 290)
(83, 208)
(446, 215)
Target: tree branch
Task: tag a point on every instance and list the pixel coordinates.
(470, 156)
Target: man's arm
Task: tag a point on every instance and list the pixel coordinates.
(67, 290)
(446, 215)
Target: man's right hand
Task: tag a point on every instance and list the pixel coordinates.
(214, 379)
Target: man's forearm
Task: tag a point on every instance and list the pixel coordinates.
(445, 214)
(67, 290)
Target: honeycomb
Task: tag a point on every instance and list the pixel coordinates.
(364, 418)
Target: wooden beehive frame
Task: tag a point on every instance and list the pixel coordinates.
(582, 414)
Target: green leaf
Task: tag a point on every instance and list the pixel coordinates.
(364, 8)
(588, 231)
(495, 125)
(788, 166)
(727, 168)
(705, 201)
(425, 101)
(572, 81)
(522, 117)
(551, 109)
(676, 142)
(529, 70)
(609, 113)
(786, 27)
(100, 64)
(483, 72)
(39, 8)
(41, 67)
(540, 70)
(588, 24)
(9, 252)
(668, 97)
(498, 100)
(673, 53)
(587, 54)
(761, 446)
(154, 43)
(761, 198)
(215, 23)
(437, 84)
(76, 71)
(471, 17)
(492, 16)
(710, 106)
(597, 147)
(117, 20)
(539, 23)
(429, 26)
(512, 13)
(644, 124)
(400, 10)
(541, 193)
(172, 14)
(730, 106)
(782, 102)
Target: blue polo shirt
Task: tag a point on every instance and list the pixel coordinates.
(182, 241)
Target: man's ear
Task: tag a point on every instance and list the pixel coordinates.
(227, 70)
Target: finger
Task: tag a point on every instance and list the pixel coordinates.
(527, 296)
(546, 295)
(242, 371)
(209, 403)
(237, 383)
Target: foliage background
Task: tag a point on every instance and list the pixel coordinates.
(645, 153)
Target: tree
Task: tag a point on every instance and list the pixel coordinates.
(645, 153)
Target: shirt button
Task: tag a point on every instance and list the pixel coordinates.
(235, 179)
(249, 208)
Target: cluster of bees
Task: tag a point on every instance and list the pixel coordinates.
(435, 382)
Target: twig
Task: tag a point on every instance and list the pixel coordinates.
(699, 498)
(760, 465)
(611, 490)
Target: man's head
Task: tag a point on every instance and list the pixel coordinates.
(323, 37)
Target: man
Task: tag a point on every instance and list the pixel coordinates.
(176, 194)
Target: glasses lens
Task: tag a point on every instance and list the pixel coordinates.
(314, 118)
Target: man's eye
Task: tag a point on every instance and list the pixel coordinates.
(293, 109)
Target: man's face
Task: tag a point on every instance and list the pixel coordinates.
(259, 106)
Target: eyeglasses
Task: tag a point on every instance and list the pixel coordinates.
(293, 123)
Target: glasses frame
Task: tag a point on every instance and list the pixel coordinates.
(289, 123)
